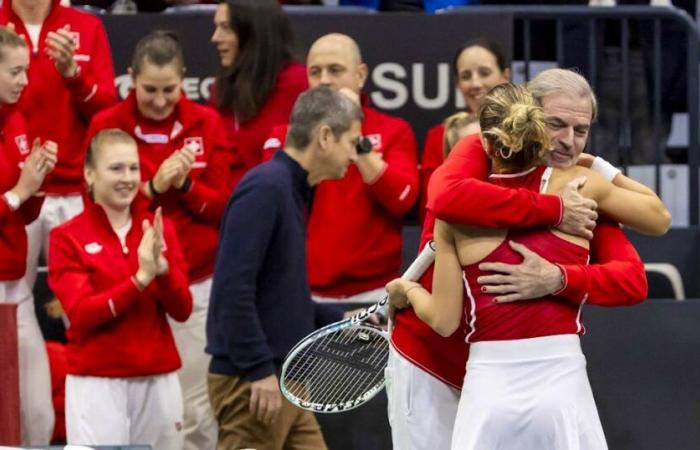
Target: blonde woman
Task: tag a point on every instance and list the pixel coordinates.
(526, 385)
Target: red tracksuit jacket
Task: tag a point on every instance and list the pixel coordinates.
(248, 137)
(60, 109)
(458, 194)
(195, 213)
(116, 330)
(14, 148)
(354, 229)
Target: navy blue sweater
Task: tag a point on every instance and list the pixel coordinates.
(260, 302)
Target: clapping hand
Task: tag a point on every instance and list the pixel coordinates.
(159, 244)
(150, 252)
(60, 46)
(174, 170)
(40, 162)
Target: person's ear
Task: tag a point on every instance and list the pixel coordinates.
(325, 134)
(89, 175)
(362, 72)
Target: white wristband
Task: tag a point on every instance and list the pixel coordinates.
(604, 168)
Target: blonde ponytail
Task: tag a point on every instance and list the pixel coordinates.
(514, 127)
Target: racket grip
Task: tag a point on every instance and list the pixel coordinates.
(419, 265)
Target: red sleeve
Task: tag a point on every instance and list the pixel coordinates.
(208, 194)
(173, 287)
(5, 210)
(86, 307)
(92, 89)
(618, 277)
(396, 188)
(31, 208)
(458, 194)
(430, 160)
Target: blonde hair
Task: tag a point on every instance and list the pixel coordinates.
(453, 125)
(103, 138)
(8, 38)
(513, 125)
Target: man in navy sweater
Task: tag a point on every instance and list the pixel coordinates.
(260, 300)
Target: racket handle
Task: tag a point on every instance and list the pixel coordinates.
(419, 265)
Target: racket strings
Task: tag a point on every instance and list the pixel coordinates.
(338, 367)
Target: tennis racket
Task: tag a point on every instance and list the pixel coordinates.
(341, 366)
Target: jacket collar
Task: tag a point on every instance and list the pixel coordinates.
(186, 115)
(300, 177)
(98, 214)
(19, 25)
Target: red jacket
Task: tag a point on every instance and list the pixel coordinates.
(248, 137)
(195, 213)
(354, 229)
(14, 148)
(115, 329)
(60, 109)
(56, 351)
(457, 194)
(430, 159)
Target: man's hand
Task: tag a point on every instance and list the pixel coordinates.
(535, 277)
(265, 399)
(579, 212)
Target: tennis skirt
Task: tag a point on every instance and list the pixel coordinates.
(527, 394)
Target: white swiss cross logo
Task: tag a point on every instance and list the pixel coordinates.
(376, 140)
(195, 145)
(22, 144)
(93, 248)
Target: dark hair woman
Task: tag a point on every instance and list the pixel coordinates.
(259, 78)
(478, 65)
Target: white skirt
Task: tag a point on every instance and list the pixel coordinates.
(527, 394)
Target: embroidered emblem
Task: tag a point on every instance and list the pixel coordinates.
(272, 143)
(376, 140)
(22, 144)
(93, 248)
(195, 145)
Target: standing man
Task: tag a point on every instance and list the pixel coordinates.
(260, 301)
(458, 194)
(355, 224)
(70, 78)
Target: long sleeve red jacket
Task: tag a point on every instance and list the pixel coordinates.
(248, 137)
(14, 148)
(457, 193)
(115, 329)
(196, 213)
(60, 109)
(354, 228)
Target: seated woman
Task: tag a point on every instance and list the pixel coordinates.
(119, 272)
(526, 385)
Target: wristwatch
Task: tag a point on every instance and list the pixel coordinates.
(12, 200)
